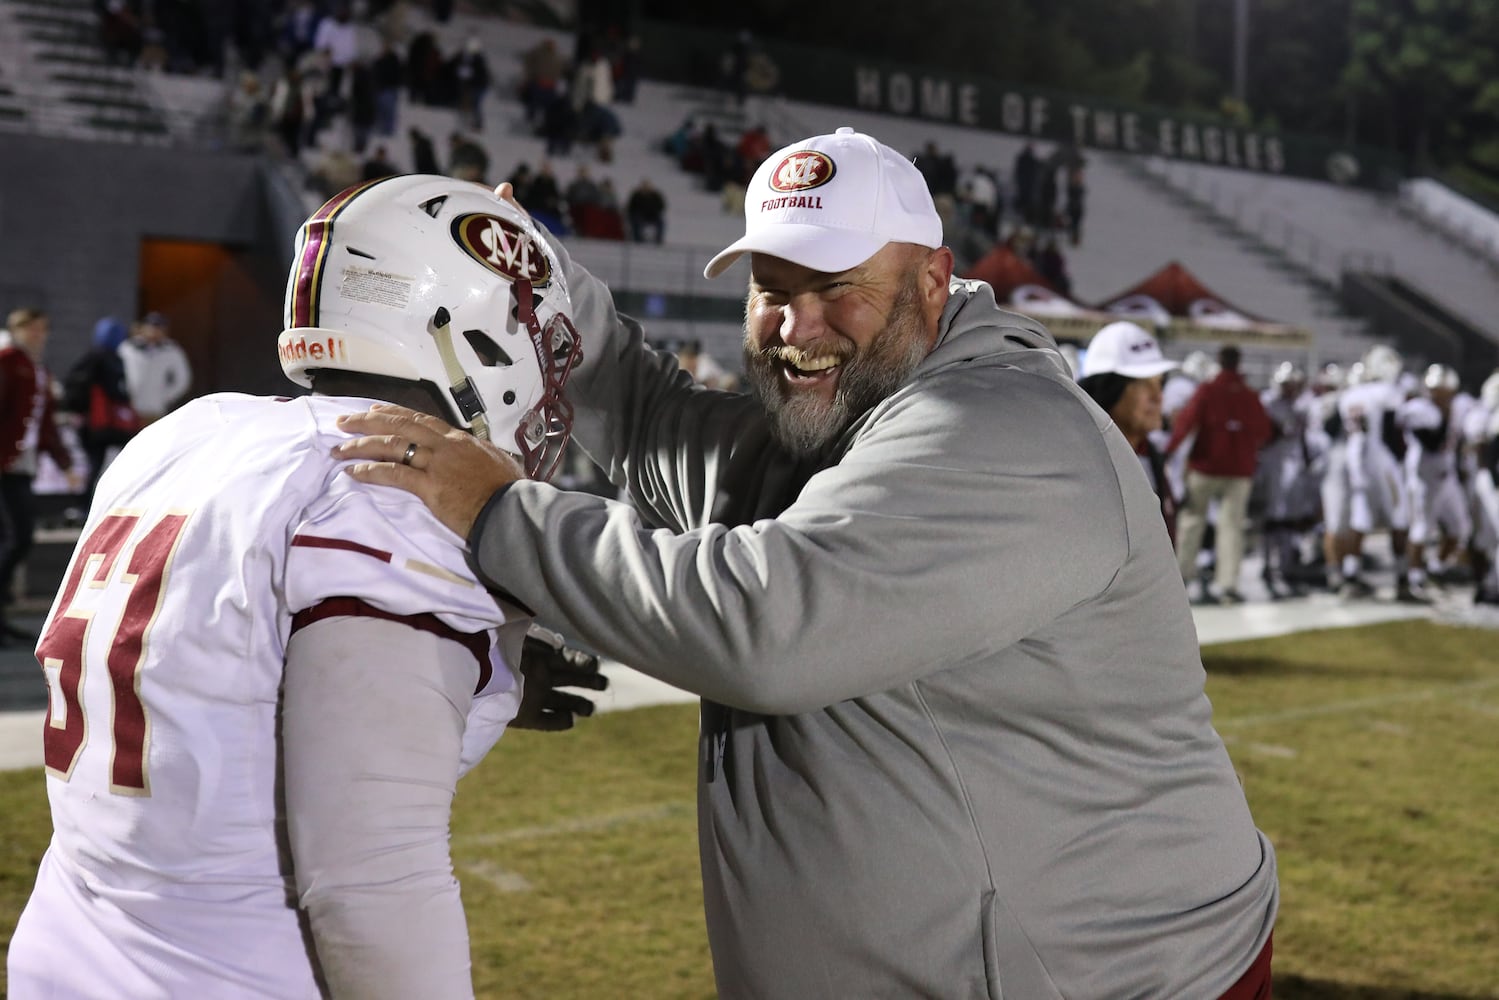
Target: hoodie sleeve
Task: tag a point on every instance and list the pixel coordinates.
(642, 419)
(967, 513)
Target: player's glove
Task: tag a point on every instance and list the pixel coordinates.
(548, 664)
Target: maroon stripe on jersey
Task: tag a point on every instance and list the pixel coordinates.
(476, 643)
(323, 542)
(315, 253)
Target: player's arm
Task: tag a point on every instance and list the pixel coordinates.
(372, 728)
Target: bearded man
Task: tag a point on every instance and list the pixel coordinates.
(954, 739)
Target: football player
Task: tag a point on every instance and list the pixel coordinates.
(1364, 488)
(1433, 424)
(266, 678)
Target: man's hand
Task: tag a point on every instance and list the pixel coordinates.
(546, 664)
(449, 470)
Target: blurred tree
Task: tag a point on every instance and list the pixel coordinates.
(1429, 69)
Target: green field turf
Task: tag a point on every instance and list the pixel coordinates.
(1369, 757)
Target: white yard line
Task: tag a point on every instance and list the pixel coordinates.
(1356, 705)
(583, 824)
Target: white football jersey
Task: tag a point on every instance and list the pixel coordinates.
(1368, 402)
(218, 531)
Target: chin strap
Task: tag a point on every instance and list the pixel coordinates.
(461, 387)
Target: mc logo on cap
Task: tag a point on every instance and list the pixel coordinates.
(802, 171)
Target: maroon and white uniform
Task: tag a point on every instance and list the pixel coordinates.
(224, 553)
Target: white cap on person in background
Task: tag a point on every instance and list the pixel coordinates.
(831, 202)
(1126, 349)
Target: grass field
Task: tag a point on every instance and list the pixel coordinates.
(1369, 757)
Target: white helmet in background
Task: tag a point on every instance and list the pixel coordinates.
(1441, 378)
(1329, 377)
(1357, 374)
(1198, 367)
(1488, 393)
(1383, 363)
(1287, 373)
(436, 280)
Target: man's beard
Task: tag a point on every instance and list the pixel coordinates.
(803, 422)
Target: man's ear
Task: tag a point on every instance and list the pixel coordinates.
(935, 276)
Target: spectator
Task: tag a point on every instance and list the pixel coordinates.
(299, 29)
(938, 168)
(249, 115)
(423, 152)
(520, 182)
(28, 427)
(542, 69)
(291, 110)
(363, 109)
(646, 213)
(119, 33)
(467, 160)
(582, 190)
(1231, 426)
(338, 39)
(559, 127)
(1122, 373)
(608, 197)
(1053, 266)
(424, 68)
(1027, 177)
(979, 193)
(1046, 192)
(471, 76)
(378, 165)
(890, 806)
(754, 146)
(387, 72)
(1077, 191)
(714, 157)
(593, 97)
(545, 202)
(627, 71)
(95, 391)
(157, 373)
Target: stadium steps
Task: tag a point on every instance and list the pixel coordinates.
(74, 90)
(1348, 222)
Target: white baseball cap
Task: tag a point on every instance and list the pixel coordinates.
(831, 202)
(1126, 349)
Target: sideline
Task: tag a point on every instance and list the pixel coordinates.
(21, 747)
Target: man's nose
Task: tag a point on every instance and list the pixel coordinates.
(802, 321)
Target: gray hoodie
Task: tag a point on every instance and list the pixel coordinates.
(954, 736)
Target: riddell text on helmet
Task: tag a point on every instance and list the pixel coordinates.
(302, 349)
(791, 201)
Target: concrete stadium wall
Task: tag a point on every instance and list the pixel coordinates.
(73, 216)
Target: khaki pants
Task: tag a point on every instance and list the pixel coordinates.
(1232, 494)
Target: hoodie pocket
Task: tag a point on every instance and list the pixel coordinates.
(1011, 966)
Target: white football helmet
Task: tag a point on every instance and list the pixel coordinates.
(1198, 367)
(1383, 363)
(1488, 393)
(1330, 377)
(1442, 378)
(1286, 373)
(436, 280)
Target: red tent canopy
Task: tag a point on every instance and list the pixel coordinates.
(1175, 299)
(1005, 271)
